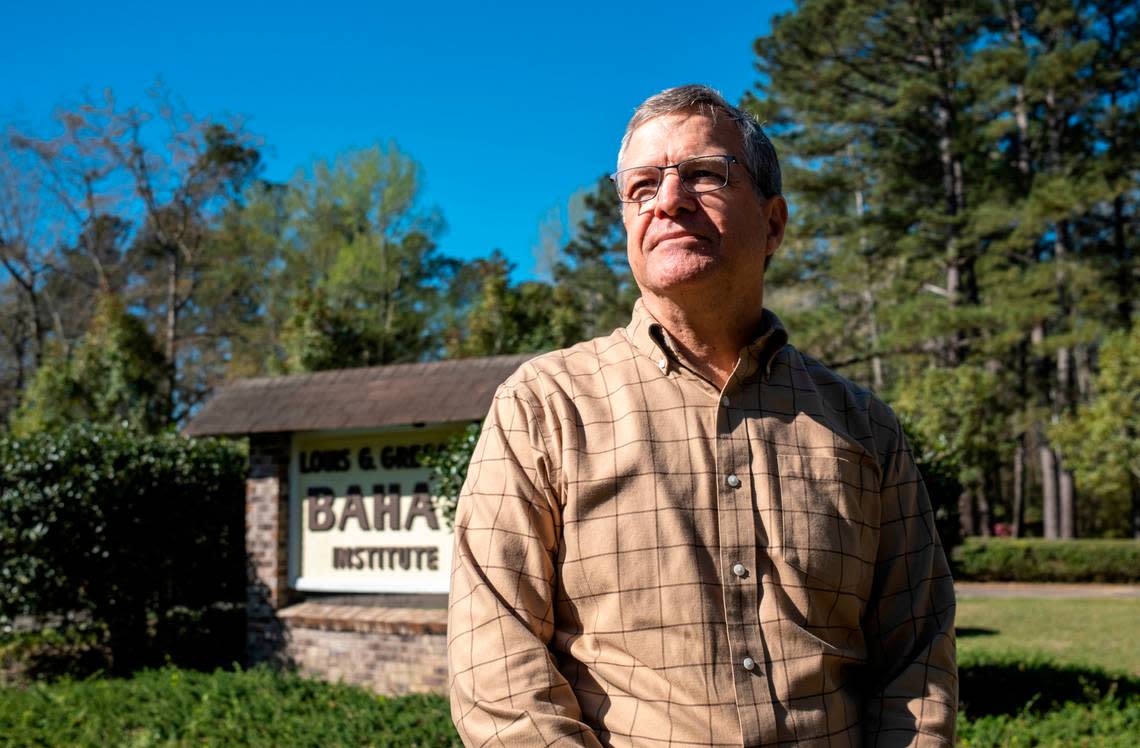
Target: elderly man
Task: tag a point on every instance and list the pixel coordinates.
(688, 532)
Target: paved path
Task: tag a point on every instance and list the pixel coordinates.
(1022, 589)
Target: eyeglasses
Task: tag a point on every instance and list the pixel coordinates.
(701, 174)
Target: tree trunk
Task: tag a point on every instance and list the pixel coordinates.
(984, 523)
(1066, 501)
(869, 298)
(173, 268)
(1050, 510)
(1019, 488)
(1135, 507)
(1124, 258)
(966, 518)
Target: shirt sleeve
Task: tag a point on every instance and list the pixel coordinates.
(909, 626)
(505, 687)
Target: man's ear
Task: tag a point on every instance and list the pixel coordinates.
(776, 218)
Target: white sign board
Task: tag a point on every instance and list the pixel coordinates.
(364, 513)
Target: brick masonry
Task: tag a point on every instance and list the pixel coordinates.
(391, 650)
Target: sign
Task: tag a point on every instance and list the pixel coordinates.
(366, 519)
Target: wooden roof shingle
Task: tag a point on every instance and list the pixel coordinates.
(371, 397)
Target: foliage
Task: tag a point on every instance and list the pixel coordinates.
(1041, 560)
(591, 294)
(364, 281)
(253, 708)
(940, 476)
(124, 201)
(116, 374)
(449, 468)
(1102, 440)
(592, 272)
(1008, 701)
(1048, 672)
(963, 224)
(140, 538)
(492, 317)
(264, 707)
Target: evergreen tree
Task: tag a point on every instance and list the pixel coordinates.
(115, 375)
(963, 215)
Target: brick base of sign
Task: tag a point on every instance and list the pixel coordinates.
(387, 650)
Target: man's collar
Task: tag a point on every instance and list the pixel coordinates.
(651, 339)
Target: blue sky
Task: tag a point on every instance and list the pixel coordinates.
(461, 87)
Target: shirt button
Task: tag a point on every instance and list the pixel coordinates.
(734, 481)
(661, 364)
(749, 664)
(739, 570)
(724, 400)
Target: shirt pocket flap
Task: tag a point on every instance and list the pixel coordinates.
(828, 516)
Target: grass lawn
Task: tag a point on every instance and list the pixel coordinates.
(1099, 632)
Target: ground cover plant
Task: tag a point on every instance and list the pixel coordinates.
(1049, 672)
(1017, 690)
(258, 707)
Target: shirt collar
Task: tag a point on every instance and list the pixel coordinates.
(651, 339)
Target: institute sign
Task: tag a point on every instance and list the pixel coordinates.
(366, 520)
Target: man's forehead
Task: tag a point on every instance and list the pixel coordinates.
(665, 131)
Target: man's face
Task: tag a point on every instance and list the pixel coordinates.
(698, 248)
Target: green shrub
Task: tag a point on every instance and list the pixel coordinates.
(1037, 560)
(449, 468)
(1013, 700)
(138, 538)
(258, 707)
(264, 707)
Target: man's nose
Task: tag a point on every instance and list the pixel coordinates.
(671, 196)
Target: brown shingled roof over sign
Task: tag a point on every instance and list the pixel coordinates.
(395, 395)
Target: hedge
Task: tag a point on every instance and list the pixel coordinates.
(258, 707)
(1039, 560)
(138, 539)
(173, 707)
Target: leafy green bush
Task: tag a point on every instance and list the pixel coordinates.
(449, 468)
(139, 538)
(1038, 560)
(1013, 700)
(265, 707)
(255, 707)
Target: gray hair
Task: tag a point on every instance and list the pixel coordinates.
(759, 154)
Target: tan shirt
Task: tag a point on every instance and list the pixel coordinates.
(643, 560)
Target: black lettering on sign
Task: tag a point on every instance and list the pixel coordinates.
(422, 507)
(365, 460)
(325, 461)
(342, 558)
(386, 507)
(387, 557)
(403, 456)
(354, 509)
(321, 515)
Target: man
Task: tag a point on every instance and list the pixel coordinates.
(689, 533)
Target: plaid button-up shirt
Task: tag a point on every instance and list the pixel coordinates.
(642, 559)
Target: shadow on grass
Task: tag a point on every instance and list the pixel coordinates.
(1008, 687)
(964, 631)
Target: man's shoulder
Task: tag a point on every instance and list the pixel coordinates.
(824, 376)
(843, 398)
(574, 368)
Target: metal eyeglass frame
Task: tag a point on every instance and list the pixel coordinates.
(728, 158)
